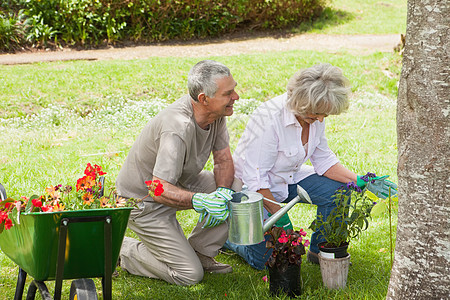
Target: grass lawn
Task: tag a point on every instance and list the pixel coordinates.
(56, 117)
(53, 146)
(360, 17)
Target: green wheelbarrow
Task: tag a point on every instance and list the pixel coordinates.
(62, 245)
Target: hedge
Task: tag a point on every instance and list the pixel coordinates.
(95, 22)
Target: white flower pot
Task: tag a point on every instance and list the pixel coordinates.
(334, 271)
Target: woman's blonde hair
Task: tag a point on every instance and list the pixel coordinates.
(320, 89)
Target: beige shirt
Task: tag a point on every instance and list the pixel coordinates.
(172, 147)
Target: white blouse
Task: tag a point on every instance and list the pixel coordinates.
(270, 154)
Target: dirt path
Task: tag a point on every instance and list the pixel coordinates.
(358, 44)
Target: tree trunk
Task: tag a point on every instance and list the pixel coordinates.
(422, 255)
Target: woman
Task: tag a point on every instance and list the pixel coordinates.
(281, 136)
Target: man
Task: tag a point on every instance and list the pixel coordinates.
(174, 148)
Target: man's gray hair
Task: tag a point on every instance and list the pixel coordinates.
(203, 76)
(320, 89)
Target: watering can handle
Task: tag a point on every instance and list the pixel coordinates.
(301, 195)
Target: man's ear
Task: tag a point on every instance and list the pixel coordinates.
(202, 99)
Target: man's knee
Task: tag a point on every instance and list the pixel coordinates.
(189, 277)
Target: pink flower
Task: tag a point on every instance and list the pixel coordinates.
(306, 243)
(265, 278)
(283, 239)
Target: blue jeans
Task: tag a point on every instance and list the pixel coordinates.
(320, 189)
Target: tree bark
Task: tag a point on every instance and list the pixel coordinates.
(421, 267)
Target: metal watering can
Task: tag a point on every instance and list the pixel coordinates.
(246, 224)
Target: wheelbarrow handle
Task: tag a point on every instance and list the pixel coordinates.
(2, 192)
(102, 189)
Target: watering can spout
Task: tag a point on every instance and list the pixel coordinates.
(302, 195)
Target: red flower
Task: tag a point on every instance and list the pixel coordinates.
(155, 187)
(36, 202)
(159, 190)
(47, 208)
(99, 171)
(8, 223)
(93, 171)
(3, 216)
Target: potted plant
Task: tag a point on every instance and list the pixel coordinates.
(284, 263)
(345, 222)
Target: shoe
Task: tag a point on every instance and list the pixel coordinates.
(212, 266)
(116, 273)
(312, 257)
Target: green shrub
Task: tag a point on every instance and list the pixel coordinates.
(11, 6)
(280, 13)
(11, 33)
(94, 22)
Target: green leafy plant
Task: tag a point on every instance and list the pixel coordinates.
(348, 219)
(11, 32)
(288, 247)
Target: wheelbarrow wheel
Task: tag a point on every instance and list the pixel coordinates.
(83, 289)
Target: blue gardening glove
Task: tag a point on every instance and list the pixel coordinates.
(284, 222)
(378, 185)
(213, 207)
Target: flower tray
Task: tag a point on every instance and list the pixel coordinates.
(34, 243)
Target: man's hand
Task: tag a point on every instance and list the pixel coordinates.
(379, 185)
(213, 207)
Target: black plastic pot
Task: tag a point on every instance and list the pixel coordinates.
(288, 282)
(334, 252)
